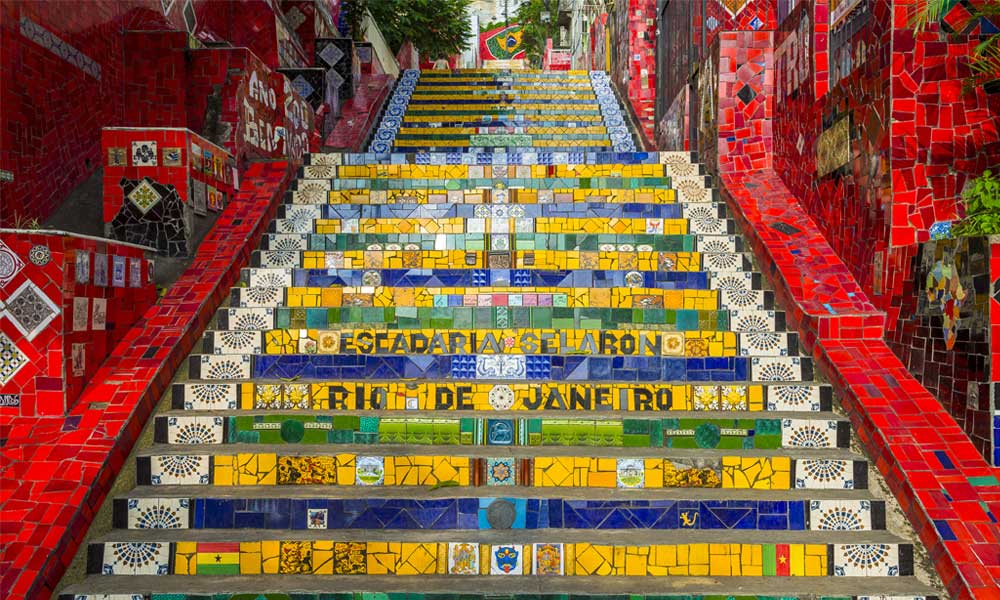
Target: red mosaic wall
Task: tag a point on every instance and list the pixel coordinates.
(633, 64)
(72, 69)
(948, 492)
(158, 181)
(65, 466)
(69, 300)
(739, 15)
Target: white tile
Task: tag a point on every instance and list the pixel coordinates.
(840, 515)
(865, 560)
(211, 396)
(824, 474)
(225, 366)
(805, 397)
(776, 368)
(195, 430)
(136, 558)
(158, 513)
(808, 433)
(179, 469)
(463, 558)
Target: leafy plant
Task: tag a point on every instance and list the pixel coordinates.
(436, 27)
(534, 30)
(984, 61)
(354, 15)
(982, 207)
(23, 222)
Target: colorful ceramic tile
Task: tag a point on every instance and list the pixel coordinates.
(463, 558)
(30, 310)
(118, 271)
(101, 270)
(506, 559)
(501, 471)
(81, 313)
(144, 154)
(370, 470)
(548, 559)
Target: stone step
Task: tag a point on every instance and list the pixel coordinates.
(484, 513)
(537, 467)
(436, 430)
(256, 552)
(707, 244)
(672, 269)
(347, 192)
(724, 292)
(569, 159)
(489, 216)
(712, 266)
(489, 123)
(554, 342)
(502, 368)
(503, 86)
(447, 587)
(308, 219)
(565, 399)
(459, 177)
(757, 317)
(571, 99)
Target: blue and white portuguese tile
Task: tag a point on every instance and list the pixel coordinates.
(803, 397)
(209, 396)
(840, 515)
(195, 430)
(179, 469)
(828, 474)
(809, 433)
(158, 513)
(136, 558)
(230, 366)
(866, 560)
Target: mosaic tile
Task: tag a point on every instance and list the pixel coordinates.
(136, 558)
(157, 513)
(30, 309)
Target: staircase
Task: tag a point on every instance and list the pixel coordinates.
(507, 353)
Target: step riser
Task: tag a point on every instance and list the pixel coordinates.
(520, 514)
(592, 399)
(760, 434)
(618, 369)
(508, 342)
(715, 471)
(471, 558)
(706, 244)
(259, 319)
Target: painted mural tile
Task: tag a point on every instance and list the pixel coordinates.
(548, 559)
(12, 360)
(30, 309)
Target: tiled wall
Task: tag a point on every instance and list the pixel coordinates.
(68, 300)
(944, 332)
(73, 68)
(633, 61)
(872, 136)
(157, 182)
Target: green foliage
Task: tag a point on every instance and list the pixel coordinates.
(534, 31)
(354, 15)
(984, 61)
(23, 222)
(982, 207)
(436, 27)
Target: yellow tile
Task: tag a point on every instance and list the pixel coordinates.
(185, 558)
(250, 558)
(270, 551)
